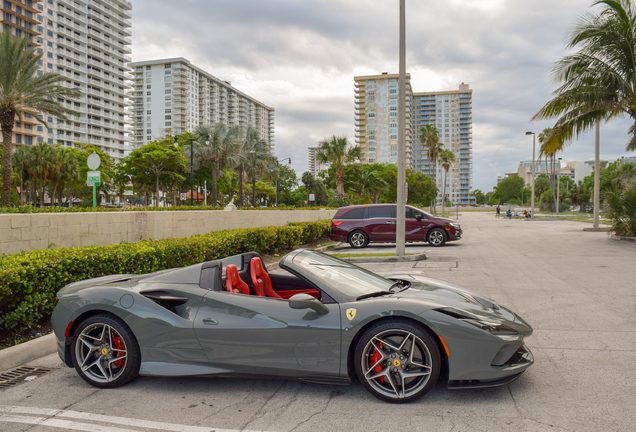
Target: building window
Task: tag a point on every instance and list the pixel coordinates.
(148, 93)
(28, 139)
(148, 131)
(149, 112)
(168, 111)
(168, 66)
(168, 117)
(18, 139)
(168, 72)
(168, 91)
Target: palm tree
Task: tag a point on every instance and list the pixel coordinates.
(550, 145)
(243, 139)
(257, 155)
(64, 169)
(447, 157)
(429, 137)
(336, 151)
(41, 165)
(22, 91)
(367, 183)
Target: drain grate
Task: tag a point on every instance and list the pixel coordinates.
(19, 375)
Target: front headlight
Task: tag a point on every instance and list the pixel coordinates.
(492, 328)
(455, 225)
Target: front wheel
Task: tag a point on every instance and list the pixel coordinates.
(397, 361)
(105, 352)
(358, 239)
(436, 237)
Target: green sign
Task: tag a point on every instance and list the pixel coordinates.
(93, 178)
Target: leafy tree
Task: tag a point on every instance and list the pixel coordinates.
(422, 189)
(257, 156)
(22, 91)
(287, 183)
(158, 160)
(64, 170)
(541, 184)
(509, 188)
(480, 198)
(336, 151)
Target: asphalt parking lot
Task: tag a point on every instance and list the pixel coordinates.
(577, 289)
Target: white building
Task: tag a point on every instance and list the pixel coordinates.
(88, 41)
(172, 96)
(315, 166)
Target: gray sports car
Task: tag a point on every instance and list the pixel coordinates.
(320, 319)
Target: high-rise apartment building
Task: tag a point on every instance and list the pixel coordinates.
(376, 99)
(172, 96)
(23, 18)
(451, 112)
(90, 45)
(315, 166)
(376, 117)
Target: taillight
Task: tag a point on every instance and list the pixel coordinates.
(335, 223)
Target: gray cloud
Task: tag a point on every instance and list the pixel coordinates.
(300, 57)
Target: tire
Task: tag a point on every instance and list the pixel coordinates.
(97, 344)
(385, 356)
(358, 239)
(436, 237)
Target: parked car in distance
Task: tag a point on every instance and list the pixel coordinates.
(375, 223)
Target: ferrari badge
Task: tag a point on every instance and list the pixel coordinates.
(351, 314)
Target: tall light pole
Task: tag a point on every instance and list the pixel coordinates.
(401, 147)
(597, 173)
(278, 176)
(558, 186)
(532, 193)
(192, 139)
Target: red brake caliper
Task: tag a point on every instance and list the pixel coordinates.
(119, 344)
(373, 360)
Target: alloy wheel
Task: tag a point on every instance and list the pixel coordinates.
(436, 238)
(358, 239)
(101, 353)
(396, 363)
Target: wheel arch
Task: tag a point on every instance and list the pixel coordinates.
(354, 343)
(354, 230)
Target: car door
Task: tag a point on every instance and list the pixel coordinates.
(251, 334)
(416, 230)
(380, 223)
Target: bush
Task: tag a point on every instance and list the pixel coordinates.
(30, 280)
(30, 209)
(620, 208)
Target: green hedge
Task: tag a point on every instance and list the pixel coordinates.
(31, 209)
(30, 280)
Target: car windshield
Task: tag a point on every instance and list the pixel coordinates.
(349, 280)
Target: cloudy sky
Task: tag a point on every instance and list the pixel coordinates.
(300, 57)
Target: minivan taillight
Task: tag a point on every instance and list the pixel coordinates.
(334, 223)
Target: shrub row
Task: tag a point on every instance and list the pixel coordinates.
(30, 280)
(31, 209)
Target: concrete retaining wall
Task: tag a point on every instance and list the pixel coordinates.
(25, 232)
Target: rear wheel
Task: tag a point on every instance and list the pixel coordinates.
(436, 237)
(105, 351)
(397, 361)
(358, 239)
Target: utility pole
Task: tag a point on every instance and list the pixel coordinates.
(597, 173)
(401, 166)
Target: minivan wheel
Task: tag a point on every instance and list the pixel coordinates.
(436, 237)
(358, 239)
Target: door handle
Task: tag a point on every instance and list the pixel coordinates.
(210, 321)
(391, 222)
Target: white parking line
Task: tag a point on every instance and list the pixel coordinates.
(71, 425)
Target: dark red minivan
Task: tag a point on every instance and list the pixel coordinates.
(375, 223)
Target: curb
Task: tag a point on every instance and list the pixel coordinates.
(386, 259)
(622, 238)
(28, 351)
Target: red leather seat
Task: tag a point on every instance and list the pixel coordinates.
(260, 279)
(233, 282)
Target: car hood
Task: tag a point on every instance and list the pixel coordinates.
(443, 295)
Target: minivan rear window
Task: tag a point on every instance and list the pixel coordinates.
(354, 213)
(380, 212)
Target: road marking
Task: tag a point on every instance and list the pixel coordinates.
(62, 424)
(71, 425)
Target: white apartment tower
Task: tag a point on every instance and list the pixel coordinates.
(315, 166)
(172, 96)
(88, 41)
(451, 112)
(376, 115)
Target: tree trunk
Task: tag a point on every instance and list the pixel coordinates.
(157, 191)
(254, 192)
(21, 190)
(42, 190)
(215, 196)
(59, 198)
(7, 121)
(340, 175)
(444, 195)
(54, 191)
(240, 185)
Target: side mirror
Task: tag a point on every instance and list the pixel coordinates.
(418, 218)
(305, 301)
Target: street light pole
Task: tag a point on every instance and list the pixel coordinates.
(558, 186)
(192, 139)
(532, 193)
(278, 176)
(400, 247)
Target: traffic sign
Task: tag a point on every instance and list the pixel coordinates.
(312, 197)
(93, 178)
(183, 196)
(94, 161)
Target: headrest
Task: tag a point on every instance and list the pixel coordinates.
(256, 265)
(231, 274)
